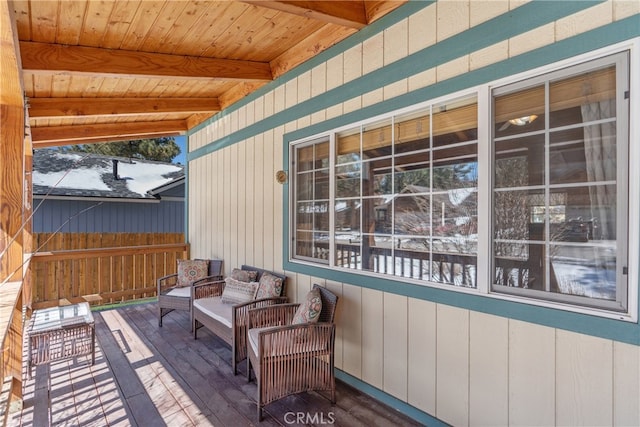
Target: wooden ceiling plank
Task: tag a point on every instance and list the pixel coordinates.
(47, 58)
(70, 14)
(344, 13)
(167, 20)
(44, 18)
(226, 24)
(96, 22)
(55, 107)
(119, 25)
(206, 30)
(21, 17)
(322, 39)
(173, 41)
(55, 134)
(140, 24)
(273, 37)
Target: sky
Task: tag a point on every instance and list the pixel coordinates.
(182, 143)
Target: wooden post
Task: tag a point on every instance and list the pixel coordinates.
(12, 188)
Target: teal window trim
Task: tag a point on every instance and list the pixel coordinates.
(587, 324)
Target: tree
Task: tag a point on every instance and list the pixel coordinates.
(158, 149)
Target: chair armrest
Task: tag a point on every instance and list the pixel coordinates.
(166, 282)
(272, 315)
(207, 289)
(312, 339)
(206, 280)
(241, 311)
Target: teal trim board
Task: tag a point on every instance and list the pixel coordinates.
(517, 21)
(395, 403)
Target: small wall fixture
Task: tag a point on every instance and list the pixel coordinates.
(281, 177)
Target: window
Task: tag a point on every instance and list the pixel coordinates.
(397, 195)
(312, 201)
(560, 185)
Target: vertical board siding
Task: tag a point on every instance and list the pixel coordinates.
(488, 370)
(584, 378)
(532, 371)
(421, 355)
(463, 367)
(77, 216)
(395, 345)
(372, 337)
(626, 384)
(351, 326)
(452, 370)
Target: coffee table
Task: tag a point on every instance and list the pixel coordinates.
(60, 333)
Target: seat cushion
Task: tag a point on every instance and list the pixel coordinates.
(216, 309)
(184, 291)
(237, 292)
(269, 286)
(190, 270)
(290, 345)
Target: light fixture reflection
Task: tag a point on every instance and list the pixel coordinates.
(521, 121)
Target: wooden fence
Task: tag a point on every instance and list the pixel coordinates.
(101, 268)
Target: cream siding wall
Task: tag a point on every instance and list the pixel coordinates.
(463, 367)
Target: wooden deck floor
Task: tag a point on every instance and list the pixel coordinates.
(150, 376)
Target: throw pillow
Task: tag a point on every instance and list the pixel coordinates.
(269, 286)
(309, 309)
(190, 271)
(244, 275)
(238, 292)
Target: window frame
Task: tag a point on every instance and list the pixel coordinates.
(483, 94)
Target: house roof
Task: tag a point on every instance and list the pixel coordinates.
(97, 71)
(91, 175)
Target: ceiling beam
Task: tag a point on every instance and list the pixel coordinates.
(350, 14)
(51, 58)
(50, 136)
(61, 107)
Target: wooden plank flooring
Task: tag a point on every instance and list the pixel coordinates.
(150, 376)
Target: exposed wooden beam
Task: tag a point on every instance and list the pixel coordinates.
(350, 14)
(81, 134)
(57, 107)
(55, 58)
(12, 204)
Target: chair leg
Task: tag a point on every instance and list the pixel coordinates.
(160, 317)
(248, 369)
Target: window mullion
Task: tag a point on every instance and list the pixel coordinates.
(484, 252)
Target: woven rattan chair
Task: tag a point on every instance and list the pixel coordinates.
(171, 298)
(291, 359)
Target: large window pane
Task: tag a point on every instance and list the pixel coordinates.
(557, 189)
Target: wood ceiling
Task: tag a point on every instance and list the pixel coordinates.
(109, 70)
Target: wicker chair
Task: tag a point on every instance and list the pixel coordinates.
(171, 298)
(291, 359)
(234, 334)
